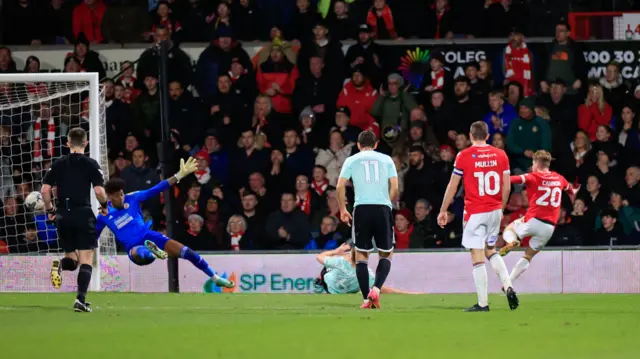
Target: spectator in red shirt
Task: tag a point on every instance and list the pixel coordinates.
(87, 18)
(518, 63)
(359, 96)
(594, 112)
(381, 21)
(276, 78)
(402, 228)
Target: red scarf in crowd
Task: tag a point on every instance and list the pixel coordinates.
(320, 187)
(517, 64)
(437, 79)
(387, 17)
(37, 144)
(402, 239)
(235, 240)
(305, 203)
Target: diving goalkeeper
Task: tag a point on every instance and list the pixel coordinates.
(143, 245)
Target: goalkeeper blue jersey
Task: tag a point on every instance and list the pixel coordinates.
(127, 224)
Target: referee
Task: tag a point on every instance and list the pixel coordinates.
(74, 175)
(375, 182)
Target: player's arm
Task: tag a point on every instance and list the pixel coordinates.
(97, 180)
(341, 191)
(186, 168)
(506, 180)
(394, 191)
(323, 257)
(451, 190)
(100, 224)
(48, 182)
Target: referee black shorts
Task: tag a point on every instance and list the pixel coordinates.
(76, 229)
(372, 228)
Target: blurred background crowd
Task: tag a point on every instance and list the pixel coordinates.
(271, 133)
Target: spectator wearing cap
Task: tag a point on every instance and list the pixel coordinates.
(616, 89)
(419, 180)
(288, 227)
(429, 134)
(365, 56)
(21, 23)
(146, 110)
(562, 108)
(564, 61)
(7, 65)
(317, 89)
(594, 112)
(302, 22)
(340, 23)
(324, 46)
(334, 156)
(203, 174)
(186, 115)
(217, 58)
(87, 19)
(402, 228)
(342, 124)
(609, 232)
(439, 22)
(393, 107)
(310, 137)
(276, 79)
(247, 20)
(424, 226)
(527, 134)
(518, 62)
(359, 96)
(118, 116)
(501, 17)
(439, 78)
(89, 59)
(380, 18)
(479, 87)
(178, 64)
(126, 21)
(501, 114)
(465, 109)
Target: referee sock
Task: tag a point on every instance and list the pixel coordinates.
(69, 264)
(362, 273)
(384, 267)
(84, 278)
(199, 262)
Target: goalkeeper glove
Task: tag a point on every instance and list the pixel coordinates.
(186, 168)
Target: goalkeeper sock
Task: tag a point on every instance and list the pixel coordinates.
(362, 273)
(501, 270)
(84, 278)
(199, 262)
(520, 267)
(480, 278)
(68, 264)
(384, 267)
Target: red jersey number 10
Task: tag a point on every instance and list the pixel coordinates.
(488, 183)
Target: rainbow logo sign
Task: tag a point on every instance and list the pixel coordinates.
(413, 66)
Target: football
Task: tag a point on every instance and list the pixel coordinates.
(34, 202)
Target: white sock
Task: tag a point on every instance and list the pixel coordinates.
(520, 267)
(501, 270)
(509, 236)
(482, 285)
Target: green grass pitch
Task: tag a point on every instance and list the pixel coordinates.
(189, 326)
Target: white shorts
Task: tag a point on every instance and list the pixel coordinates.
(540, 232)
(481, 229)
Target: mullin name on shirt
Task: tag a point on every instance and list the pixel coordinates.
(485, 164)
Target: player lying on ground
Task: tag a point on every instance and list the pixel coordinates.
(143, 245)
(484, 172)
(544, 190)
(339, 273)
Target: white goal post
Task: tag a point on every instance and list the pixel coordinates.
(47, 104)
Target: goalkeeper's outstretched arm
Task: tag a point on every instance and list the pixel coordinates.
(186, 168)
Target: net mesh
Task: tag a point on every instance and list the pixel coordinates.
(34, 120)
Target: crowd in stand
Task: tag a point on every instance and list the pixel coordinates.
(270, 138)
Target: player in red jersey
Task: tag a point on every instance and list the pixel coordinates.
(544, 190)
(484, 171)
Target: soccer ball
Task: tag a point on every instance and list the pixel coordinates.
(34, 202)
